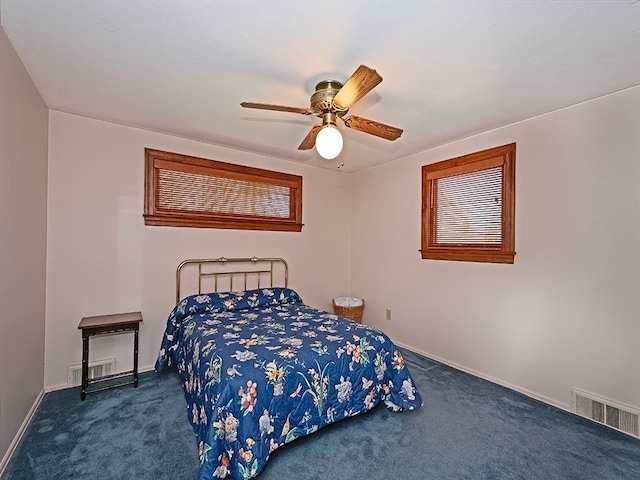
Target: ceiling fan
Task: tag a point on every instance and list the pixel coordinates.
(331, 101)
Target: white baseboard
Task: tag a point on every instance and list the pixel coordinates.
(21, 430)
(489, 378)
(62, 386)
(147, 368)
(53, 388)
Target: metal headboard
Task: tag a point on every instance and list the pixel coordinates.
(206, 269)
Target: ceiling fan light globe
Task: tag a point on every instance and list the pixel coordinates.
(329, 142)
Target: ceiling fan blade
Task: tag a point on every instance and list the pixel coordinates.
(310, 140)
(277, 108)
(359, 84)
(374, 128)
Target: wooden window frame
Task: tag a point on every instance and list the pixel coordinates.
(504, 156)
(155, 160)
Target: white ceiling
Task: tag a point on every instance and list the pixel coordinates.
(451, 68)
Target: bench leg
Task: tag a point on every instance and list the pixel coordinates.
(135, 358)
(85, 367)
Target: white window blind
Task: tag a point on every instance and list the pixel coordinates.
(469, 208)
(193, 192)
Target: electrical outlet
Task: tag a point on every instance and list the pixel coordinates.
(388, 314)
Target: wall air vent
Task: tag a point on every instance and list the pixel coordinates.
(97, 369)
(605, 411)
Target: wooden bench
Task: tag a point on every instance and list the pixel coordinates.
(100, 325)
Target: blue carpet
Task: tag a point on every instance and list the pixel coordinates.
(468, 429)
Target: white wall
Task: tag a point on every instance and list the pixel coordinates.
(23, 216)
(567, 313)
(103, 259)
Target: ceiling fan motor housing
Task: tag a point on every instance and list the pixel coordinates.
(322, 99)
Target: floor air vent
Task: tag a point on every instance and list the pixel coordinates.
(96, 370)
(605, 411)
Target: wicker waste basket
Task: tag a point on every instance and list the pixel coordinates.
(349, 307)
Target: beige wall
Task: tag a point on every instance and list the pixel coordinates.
(566, 314)
(23, 217)
(103, 259)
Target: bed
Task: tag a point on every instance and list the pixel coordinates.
(260, 368)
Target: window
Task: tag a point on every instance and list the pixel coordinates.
(184, 191)
(468, 207)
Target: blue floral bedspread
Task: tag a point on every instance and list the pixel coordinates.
(260, 369)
